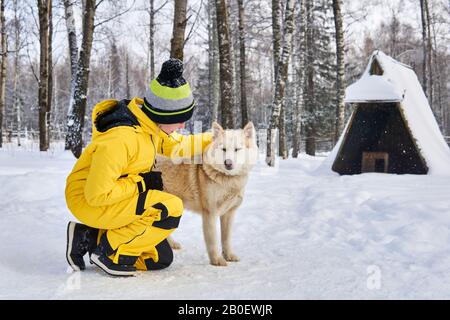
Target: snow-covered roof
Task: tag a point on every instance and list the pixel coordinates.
(399, 83)
(371, 88)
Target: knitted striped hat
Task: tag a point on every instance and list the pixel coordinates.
(168, 98)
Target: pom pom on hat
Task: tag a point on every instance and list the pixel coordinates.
(171, 74)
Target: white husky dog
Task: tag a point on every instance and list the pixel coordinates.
(215, 188)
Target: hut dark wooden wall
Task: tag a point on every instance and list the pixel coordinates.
(379, 127)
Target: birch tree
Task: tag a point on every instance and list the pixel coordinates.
(50, 71)
(427, 51)
(242, 61)
(440, 63)
(276, 35)
(340, 85)
(299, 73)
(17, 103)
(282, 75)
(213, 61)
(310, 127)
(424, 46)
(152, 11)
(225, 65)
(44, 9)
(127, 75)
(78, 105)
(3, 64)
(72, 40)
(115, 91)
(179, 28)
(151, 42)
(276, 40)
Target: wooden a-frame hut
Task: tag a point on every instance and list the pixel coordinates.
(392, 128)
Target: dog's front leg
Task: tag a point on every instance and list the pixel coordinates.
(209, 233)
(226, 222)
(173, 244)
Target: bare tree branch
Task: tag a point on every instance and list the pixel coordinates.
(160, 7)
(193, 24)
(114, 16)
(31, 66)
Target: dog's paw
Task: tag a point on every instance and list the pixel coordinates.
(219, 262)
(175, 245)
(231, 257)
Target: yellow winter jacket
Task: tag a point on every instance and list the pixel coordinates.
(124, 143)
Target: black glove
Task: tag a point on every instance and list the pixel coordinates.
(153, 180)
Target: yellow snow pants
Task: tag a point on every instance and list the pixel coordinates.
(136, 227)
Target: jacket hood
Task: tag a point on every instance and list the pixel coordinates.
(113, 113)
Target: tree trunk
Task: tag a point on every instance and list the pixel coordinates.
(244, 110)
(16, 100)
(179, 27)
(213, 62)
(151, 43)
(310, 128)
(340, 65)
(276, 42)
(127, 76)
(76, 118)
(283, 152)
(116, 63)
(276, 36)
(44, 11)
(109, 68)
(438, 103)
(296, 132)
(3, 64)
(429, 55)
(282, 76)
(394, 31)
(50, 71)
(72, 38)
(226, 71)
(300, 76)
(73, 54)
(424, 46)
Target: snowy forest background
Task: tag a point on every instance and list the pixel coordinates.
(59, 58)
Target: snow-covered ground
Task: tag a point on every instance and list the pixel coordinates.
(299, 234)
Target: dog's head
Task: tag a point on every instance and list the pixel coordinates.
(232, 152)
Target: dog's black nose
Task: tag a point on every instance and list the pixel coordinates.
(228, 164)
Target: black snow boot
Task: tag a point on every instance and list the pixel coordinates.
(80, 240)
(125, 267)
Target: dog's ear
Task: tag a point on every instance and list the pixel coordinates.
(217, 130)
(249, 130)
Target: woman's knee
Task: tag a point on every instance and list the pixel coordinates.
(166, 202)
(176, 207)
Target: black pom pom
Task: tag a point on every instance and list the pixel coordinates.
(171, 73)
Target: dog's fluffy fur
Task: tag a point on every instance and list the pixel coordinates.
(215, 188)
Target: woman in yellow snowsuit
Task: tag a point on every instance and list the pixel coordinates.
(112, 189)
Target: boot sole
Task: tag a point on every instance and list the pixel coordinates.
(70, 232)
(94, 259)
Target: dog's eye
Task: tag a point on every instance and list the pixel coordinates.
(224, 149)
(237, 149)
